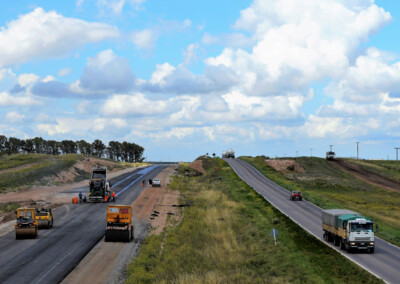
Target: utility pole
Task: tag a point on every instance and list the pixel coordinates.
(331, 147)
(397, 151)
(311, 152)
(297, 153)
(357, 149)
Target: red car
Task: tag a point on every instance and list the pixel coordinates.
(296, 195)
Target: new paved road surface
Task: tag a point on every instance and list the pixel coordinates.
(384, 263)
(77, 228)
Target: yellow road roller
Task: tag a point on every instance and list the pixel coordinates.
(44, 217)
(119, 226)
(26, 226)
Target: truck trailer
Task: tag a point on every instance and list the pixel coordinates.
(348, 229)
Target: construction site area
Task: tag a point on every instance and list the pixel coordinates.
(79, 234)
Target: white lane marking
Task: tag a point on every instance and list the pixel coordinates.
(141, 173)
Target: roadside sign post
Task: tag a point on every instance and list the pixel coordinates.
(274, 234)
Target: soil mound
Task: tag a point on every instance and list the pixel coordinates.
(82, 170)
(197, 166)
(285, 166)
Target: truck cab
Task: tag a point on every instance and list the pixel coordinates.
(360, 235)
(330, 155)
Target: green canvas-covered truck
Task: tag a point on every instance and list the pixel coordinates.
(348, 229)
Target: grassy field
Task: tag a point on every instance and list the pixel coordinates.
(25, 170)
(330, 187)
(224, 237)
(9, 207)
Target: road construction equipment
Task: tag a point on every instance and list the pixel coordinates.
(44, 214)
(119, 223)
(99, 186)
(44, 217)
(26, 225)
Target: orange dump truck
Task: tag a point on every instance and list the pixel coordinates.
(119, 223)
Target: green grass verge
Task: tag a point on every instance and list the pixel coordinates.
(9, 207)
(330, 187)
(224, 237)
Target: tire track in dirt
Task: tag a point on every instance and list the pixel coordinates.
(367, 176)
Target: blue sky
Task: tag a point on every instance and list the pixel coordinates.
(184, 78)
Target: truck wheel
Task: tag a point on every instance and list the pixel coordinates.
(371, 250)
(342, 245)
(335, 241)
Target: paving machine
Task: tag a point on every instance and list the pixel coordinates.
(119, 223)
(99, 186)
(26, 225)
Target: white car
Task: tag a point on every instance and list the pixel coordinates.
(156, 182)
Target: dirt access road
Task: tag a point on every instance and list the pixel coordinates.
(367, 176)
(107, 262)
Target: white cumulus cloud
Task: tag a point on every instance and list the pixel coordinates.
(14, 117)
(145, 39)
(41, 34)
(11, 100)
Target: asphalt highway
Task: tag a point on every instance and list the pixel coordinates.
(77, 229)
(384, 263)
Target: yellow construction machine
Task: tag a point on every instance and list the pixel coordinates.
(119, 223)
(26, 226)
(44, 217)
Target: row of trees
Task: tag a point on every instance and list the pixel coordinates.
(125, 151)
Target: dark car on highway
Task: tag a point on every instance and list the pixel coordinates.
(296, 195)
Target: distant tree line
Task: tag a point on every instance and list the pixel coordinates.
(125, 151)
